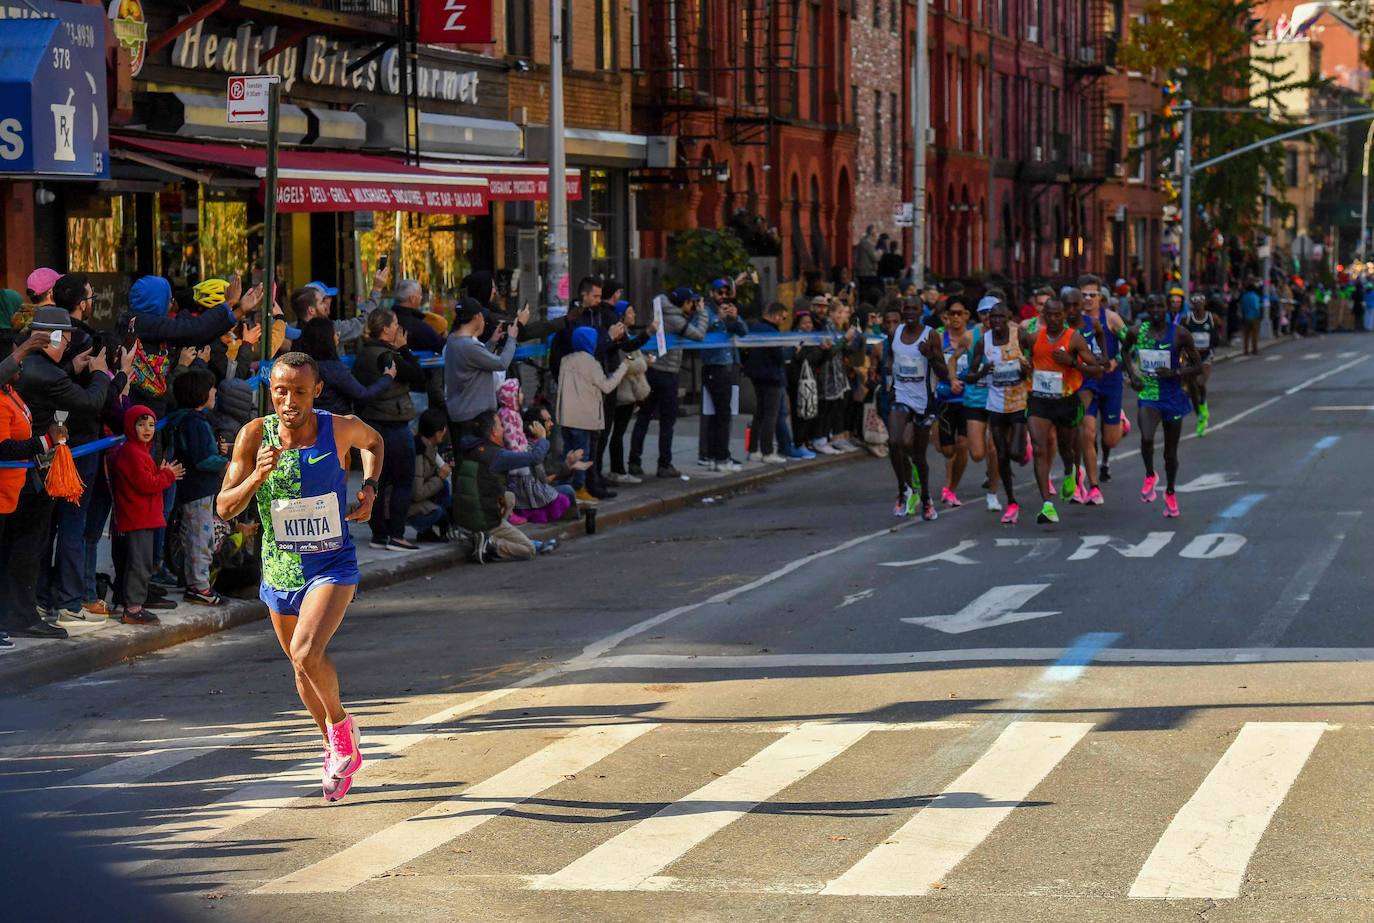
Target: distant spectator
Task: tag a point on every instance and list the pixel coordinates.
(342, 393)
(482, 504)
(536, 500)
(682, 318)
(469, 383)
(197, 449)
(431, 500)
(406, 302)
(581, 409)
(139, 483)
(766, 368)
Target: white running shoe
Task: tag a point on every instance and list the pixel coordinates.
(826, 448)
(729, 467)
(994, 505)
(774, 459)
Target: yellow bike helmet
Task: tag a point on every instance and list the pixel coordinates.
(209, 293)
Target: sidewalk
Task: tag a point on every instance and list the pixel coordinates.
(93, 646)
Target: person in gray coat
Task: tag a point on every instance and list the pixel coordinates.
(471, 366)
(682, 317)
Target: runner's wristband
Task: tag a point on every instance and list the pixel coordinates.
(371, 482)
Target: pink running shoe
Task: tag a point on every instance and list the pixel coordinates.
(948, 497)
(1147, 490)
(1080, 493)
(1013, 513)
(929, 513)
(1095, 497)
(1125, 425)
(344, 758)
(1170, 507)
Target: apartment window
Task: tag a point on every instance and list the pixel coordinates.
(1004, 119)
(1113, 127)
(893, 20)
(854, 102)
(1290, 167)
(749, 42)
(979, 113)
(959, 103)
(1003, 12)
(947, 116)
(877, 14)
(814, 19)
(567, 31)
(519, 28)
(894, 128)
(605, 35)
(1137, 143)
(877, 136)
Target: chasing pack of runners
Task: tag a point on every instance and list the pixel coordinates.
(1001, 393)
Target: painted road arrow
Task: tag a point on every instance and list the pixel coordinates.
(1209, 482)
(998, 606)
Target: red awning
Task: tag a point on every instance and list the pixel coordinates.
(511, 182)
(320, 181)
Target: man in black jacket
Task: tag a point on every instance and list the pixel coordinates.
(407, 298)
(766, 367)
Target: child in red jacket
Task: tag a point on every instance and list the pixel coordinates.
(138, 483)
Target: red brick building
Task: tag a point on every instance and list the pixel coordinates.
(752, 91)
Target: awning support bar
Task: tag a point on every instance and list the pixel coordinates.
(199, 15)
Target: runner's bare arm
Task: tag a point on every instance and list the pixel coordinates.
(1190, 365)
(249, 465)
(1084, 359)
(352, 433)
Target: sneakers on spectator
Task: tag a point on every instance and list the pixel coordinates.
(584, 496)
(754, 457)
(401, 544)
(479, 548)
(430, 536)
(774, 459)
(70, 615)
(729, 466)
(40, 629)
(600, 492)
(825, 448)
(704, 462)
(545, 546)
(164, 578)
(44, 613)
(801, 453)
(637, 469)
(202, 597)
(711, 466)
(140, 617)
(97, 610)
(627, 478)
(668, 471)
(5, 642)
(377, 542)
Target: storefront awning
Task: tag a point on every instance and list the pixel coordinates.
(511, 182)
(318, 181)
(605, 148)
(446, 134)
(52, 91)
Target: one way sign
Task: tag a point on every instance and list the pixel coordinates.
(246, 100)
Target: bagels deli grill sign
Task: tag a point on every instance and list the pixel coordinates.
(319, 61)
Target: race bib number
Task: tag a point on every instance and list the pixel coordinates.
(1007, 373)
(1152, 360)
(908, 370)
(1048, 384)
(308, 525)
(1202, 339)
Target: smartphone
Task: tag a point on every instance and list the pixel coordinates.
(382, 261)
(55, 337)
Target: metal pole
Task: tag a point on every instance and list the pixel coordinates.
(269, 232)
(1364, 193)
(556, 286)
(920, 91)
(1185, 254)
(1268, 239)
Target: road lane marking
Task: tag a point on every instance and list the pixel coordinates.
(1299, 589)
(999, 605)
(1090, 545)
(1207, 846)
(1212, 481)
(941, 835)
(413, 837)
(726, 662)
(1084, 650)
(1241, 507)
(1212, 545)
(1338, 408)
(853, 598)
(953, 555)
(625, 862)
(1321, 446)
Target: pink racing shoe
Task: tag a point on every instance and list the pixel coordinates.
(948, 497)
(1170, 507)
(1095, 497)
(1147, 489)
(343, 760)
(1012, 514)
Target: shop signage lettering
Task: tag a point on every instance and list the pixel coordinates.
(131, 30)
(320, 61)
(314, 195)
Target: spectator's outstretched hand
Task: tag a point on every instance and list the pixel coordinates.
(250, 301)
(126, 358)
(234, 290)
(187, 356)
(32, 345)
(176, 468)
(252, 335)
(538, 432)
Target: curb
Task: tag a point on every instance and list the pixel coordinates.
(59, 661)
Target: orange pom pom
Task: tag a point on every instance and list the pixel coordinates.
(63, 480)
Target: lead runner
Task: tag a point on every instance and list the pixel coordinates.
(294, 462)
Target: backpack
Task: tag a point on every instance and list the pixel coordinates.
(808, 395)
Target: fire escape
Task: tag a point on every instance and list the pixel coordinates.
(1091, 59)
(723, 72)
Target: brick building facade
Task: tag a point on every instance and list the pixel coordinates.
(880, 98)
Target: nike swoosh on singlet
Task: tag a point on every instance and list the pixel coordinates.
(314, 458)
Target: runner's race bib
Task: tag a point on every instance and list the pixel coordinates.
(1007, 373)
(1048, 384)
(309, 525)
(1202, 340)
(908, 370)
(1152, 360)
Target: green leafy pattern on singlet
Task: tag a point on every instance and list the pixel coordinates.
(1144, 340)
(280, 569)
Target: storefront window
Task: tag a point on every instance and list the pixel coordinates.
(223, 237)
(435, 249)
(100, 243)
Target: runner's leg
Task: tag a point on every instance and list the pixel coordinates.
(285, 627)
(322, 611)
(1042, 431)
(1173, 431)
(920, 441)
(1003, 448)
(899, 436)
(1149, 420)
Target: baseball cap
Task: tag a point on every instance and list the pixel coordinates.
(41, 281)
(987, 303)
(51, 318)
(680, 296)
(467, 310)
(621, 307)
(329, 290)
(720, 284)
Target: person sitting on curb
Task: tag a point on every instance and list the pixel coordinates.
(481, 504)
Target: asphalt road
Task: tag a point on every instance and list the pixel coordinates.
(786, 705)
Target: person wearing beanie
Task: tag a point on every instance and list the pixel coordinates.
(582, 384)
(682, 318)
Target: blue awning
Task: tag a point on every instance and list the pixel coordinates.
(52, 92)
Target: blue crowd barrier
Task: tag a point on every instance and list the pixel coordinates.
(87, 448)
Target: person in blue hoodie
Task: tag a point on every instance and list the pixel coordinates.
(158, 332)
(197, 449)
(718, 374)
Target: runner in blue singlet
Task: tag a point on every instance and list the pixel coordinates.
(294, 463)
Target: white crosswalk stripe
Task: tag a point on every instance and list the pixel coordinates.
(1205, 850)
(431, 829)
(941, 835)
(628, 860)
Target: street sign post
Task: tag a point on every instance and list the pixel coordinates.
(248, 101)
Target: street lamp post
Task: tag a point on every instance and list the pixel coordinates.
(1364, 193)
(920, 94)
(1185, 254)
(556, 284)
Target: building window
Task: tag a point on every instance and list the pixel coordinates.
(1113, 126)
(854, 102)
(1004, 118)
(1137, 143)
(959, 68)
(1290, 167)
(519, 28)
(877, 14)
(979, 110)
(605, 35)
(893, 20)
(894, 125)
(814, 20)
(877, 136)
